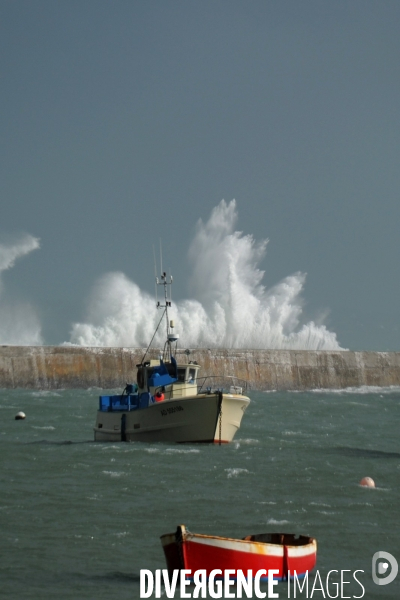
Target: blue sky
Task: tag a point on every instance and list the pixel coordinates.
(125, 122)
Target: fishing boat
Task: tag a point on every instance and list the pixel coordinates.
(169, 402)
(285, 552)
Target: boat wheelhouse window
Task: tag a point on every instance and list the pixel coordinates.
(192, 375)
(181, 374)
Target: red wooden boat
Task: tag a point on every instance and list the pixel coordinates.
(282, 551)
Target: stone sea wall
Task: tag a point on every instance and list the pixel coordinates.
(60, 367)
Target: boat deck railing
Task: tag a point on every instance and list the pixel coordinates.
(222, 383)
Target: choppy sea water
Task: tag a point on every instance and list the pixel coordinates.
(79, 519)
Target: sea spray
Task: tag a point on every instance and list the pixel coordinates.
(232, 308)
(19, 323)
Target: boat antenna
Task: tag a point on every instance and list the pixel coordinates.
(161, 257)
(155, 272)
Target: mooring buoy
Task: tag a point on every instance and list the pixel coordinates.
(367, 482)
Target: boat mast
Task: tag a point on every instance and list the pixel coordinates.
(167, 283)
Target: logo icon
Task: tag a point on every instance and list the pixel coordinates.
(380, 566)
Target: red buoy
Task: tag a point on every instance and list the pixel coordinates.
(159, 397)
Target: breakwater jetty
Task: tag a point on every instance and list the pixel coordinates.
(63, 367)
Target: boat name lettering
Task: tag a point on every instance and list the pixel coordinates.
(170, 410)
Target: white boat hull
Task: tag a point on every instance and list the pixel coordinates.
(209, 418)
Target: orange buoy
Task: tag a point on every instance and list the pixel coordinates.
(159, 397)
(367, 482)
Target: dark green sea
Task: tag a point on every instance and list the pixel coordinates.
(79, 519)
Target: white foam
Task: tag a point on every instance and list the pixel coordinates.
(327, 512)
(275, 522)
(363, 389)
(114, 473)
(45, 394)
(235, 472)
(182, 451)
(231, 309)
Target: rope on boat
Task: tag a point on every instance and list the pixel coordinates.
(151, 341)
(220, 417)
